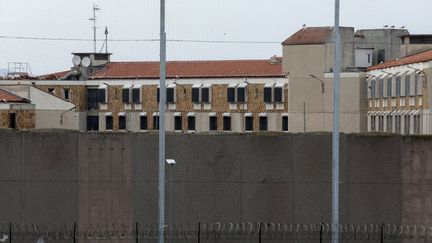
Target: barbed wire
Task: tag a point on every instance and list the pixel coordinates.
(218, 230)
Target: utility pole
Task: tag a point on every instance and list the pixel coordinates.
(95, 8)
(162, 102)
(335, 140)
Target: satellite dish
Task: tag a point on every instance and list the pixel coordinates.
(76, 60)
(86, 62)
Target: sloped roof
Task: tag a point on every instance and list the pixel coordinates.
(415, 58)
(8, 97)
(53, 76)
(191, 69)
(309, 36)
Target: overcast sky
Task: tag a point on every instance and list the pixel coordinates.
(220, 20)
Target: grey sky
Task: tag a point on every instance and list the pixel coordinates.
(233, 20)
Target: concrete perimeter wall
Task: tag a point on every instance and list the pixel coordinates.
(97, 178)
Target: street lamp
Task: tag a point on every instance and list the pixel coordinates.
(171, 163)
(322, 82)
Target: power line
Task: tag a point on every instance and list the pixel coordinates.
(136, 40)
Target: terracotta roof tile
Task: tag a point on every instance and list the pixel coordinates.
(310, 35)
(191, 69)
(415, 58)
(53, 76)
(8, 97)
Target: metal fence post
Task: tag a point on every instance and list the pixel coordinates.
(199, 232)
(321, 233)
(382, 233)
(259, 233)
(136, 233)
(10, 232)
(74, 232)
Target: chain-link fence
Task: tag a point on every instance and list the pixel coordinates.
(213, 232)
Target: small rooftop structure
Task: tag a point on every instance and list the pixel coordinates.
(310, 36)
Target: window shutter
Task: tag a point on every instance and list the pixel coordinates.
(195, 95)
(126, 95)
(136, 97)
(205, 94)
(231, 94)
(278, 94)
(102, 95)
(267, 94)
(241, 94)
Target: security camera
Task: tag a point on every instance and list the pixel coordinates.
(170, 161)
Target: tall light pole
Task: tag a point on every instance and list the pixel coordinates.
(171, 163)
(162, 102)
(335, 139)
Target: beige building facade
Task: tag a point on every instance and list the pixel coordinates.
(399, 95)
(308, 57)
(203, 96)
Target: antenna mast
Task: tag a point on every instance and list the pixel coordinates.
(95, 8)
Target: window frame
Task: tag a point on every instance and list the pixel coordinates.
(215, 118)
(139, 89)
(178, 122)
(283, 123)
(109, 120)
(191, 122)
(248, 122)
(143, 116)
(122, 121)
(263, 123)
(227, 123)
(66, 94)
(127, 93)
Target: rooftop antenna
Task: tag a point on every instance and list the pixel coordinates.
(95, 8)
(106, 39)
